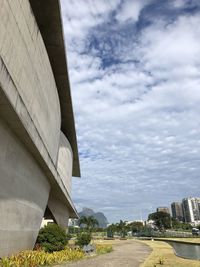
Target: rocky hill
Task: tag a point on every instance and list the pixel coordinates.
(99, 216)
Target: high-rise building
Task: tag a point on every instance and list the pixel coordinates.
(163, 209)
(177, 211)
(191, 209)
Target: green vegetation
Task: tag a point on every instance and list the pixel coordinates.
(89, 223)
(83, 239)
(51, 247)
(122, 228)
(164, 226)
(103, 249)
(135, 227)
(52, 238)
(41, 258)
(180, 225)
(162, 219)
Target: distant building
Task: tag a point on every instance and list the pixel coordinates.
(46, 222)
(73, 222)
(163, 209)
(177, 211)
(191, 209)
(135, 221)
(151, 224)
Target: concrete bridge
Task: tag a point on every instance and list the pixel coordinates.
(38, 148)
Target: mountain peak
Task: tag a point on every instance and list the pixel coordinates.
(99, 216)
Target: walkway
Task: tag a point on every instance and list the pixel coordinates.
(125, 254)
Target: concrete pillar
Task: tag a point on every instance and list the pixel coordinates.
(58, 209)
(24, 192)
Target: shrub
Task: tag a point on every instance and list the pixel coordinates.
(69, 236)
(41, 258)
(103, 249)
(52, 238)
(83, 239)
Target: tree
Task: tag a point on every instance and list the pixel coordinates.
(111, 229)
(176, 224)
(122, 228)
(52, 237)
(83, 239)
(186, 226)
(89, 222)
(135, 226)
(161, 219)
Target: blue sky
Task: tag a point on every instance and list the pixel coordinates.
(134, 69)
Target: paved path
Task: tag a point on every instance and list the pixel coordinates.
(125, 254)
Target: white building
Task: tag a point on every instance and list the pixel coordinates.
(191, 209)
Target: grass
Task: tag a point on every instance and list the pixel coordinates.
(162, 252)
(188, 239)
(105, 242)
(42, 258)
(103, 249)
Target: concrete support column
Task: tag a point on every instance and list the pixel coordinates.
(59, 210)
(24, 193)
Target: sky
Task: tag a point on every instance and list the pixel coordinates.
(134, 68)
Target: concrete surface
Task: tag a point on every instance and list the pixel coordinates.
(25, 58)
(24, 192)
(35, 156)
(125, 254)
(59, 210)
(48, 17)
(65, 158)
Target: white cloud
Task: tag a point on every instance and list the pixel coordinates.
(138, 121)
(185, 3)
(130, 10)
(80, 16)
(176, 44)
(179, 3)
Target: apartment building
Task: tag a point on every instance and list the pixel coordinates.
(177, 211)
(191, 209)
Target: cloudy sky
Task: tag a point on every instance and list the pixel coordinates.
(134, 68)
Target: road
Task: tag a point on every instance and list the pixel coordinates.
(127, 253)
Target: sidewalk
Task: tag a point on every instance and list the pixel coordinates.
(125, 254)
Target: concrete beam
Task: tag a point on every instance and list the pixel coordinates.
(48, 17)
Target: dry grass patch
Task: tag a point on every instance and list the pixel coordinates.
(189, 240)
(163, 255)
(107, 242)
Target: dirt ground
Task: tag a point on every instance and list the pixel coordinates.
(125, 254)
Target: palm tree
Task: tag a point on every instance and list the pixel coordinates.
(111, 229)
(89, 222)
(122, 228)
